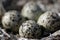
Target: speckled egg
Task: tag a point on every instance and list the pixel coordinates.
(11, 20)
(31, 11)
(29, 29)
(50, 20)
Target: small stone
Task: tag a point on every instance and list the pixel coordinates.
(3, 34)
(54, 36)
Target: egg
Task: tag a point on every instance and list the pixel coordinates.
(11, 20)
(29, 29)
(50, 20)
(31, 11)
